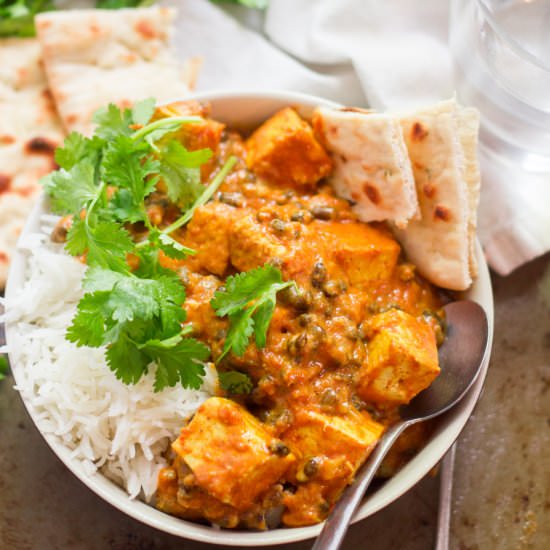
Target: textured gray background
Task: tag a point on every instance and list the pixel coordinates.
(502, 480)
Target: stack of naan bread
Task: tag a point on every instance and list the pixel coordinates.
(418, 171)
(52, 84)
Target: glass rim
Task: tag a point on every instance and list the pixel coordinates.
(510, 40)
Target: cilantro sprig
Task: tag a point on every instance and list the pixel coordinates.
(4, 366)
(103, 183)
(248, 299)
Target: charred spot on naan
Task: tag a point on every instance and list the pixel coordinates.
(418, 132)
(442, 213)
(6, 139)
(5, 183)
(429, 190)
(40, 146)
(372, 193)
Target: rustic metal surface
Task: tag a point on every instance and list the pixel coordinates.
(502, 480)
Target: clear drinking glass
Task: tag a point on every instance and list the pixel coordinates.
(501, 55)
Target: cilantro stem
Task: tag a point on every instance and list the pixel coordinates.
(205, 196)
(179, 120)
(94, 201)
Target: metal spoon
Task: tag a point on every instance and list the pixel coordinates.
(460, 358)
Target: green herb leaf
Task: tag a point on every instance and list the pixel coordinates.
(103, 183)
(256, 4)
(170, 247)
(105, 245)
(127, 360)
(241, 328)
(17, 16)
(116, 4)
(89, 325)
(178, 361)
(112, 122)
(181, 172)
(4, 366)
(76, 148)
(249, 300)
(129, 166)
(235, 382)
(142, 111)
(70, 191)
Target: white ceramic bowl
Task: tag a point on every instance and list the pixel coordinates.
(242, 110)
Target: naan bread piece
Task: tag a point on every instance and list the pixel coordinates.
(441, 242)
(29, 132)
(468, 131)
(371, 165)
(96, 57)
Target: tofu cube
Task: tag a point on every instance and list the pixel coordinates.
(231, 455)
(208, 234)
(252, 244)
(329, 449)
(284, 151)
(402, 359)
(363, 252)
(346, 440)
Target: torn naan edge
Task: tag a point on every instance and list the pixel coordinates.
(371, 165)
(468, 130)
(97, 57)
(30, 131)
(442, 148)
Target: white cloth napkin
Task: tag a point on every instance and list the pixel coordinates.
(388, 55)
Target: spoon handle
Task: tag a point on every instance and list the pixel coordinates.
(336, 525)
(445, 500)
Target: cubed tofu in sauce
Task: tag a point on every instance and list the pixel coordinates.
(352, 341)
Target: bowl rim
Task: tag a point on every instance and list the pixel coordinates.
(442, 439)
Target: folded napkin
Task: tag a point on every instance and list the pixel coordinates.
(387, 55)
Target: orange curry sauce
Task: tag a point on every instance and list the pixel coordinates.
(357, 338)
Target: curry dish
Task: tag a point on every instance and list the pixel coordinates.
(352, 341)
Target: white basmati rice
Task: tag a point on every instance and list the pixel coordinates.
(121, 430)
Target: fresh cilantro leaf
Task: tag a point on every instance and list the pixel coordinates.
(170, 247)
(235, 382)
(127, 360)
(70, 191)
(174, 249)
(149, 262)
(125, 208)
(77, 147)
(128, 166)
(105, 245)
(180, 170)
(113, 122)
(178, 154)
(262, 317)
(205, 196)
(132, 298)
(97, 278)
(241, 328)
(181, 361)
(116, 4)
(256, 4)
(153, 133)
(17, 16)
(142, 111)
(4, 366)
(89, 326)
(242, 288)
(248, 299)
